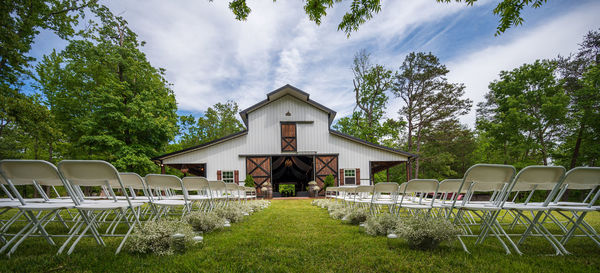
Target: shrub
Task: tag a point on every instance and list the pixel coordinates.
(205, 222)
(339, 212)
(231, 212)
(155, 237)
(356, 216)
(328, 182)
(381, 224)
(287, 190)
(426, 232)
(258, 205)
(249, 182)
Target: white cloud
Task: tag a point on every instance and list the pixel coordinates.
(211, 57)
(546, 40)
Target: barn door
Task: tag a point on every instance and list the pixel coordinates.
(288, 137)
(324, 166)
(260, 169)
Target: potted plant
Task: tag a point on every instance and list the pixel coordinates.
(426, 233)
(312, 187)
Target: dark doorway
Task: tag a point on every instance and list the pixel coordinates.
(296, 170)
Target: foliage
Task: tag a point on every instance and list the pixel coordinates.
(205, 221)
(338, 212)
(107, 99)
(287, 189)
(25, 124)
(356, 216)
(524, 112)
(426, 232)
(361, 11)
(328, 182)
(155, 237)
(381, 224)
(371, 82)
(429, 99)
(249, 181)
(218, 121)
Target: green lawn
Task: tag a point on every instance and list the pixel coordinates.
(293, 236)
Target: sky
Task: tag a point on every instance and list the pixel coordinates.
(210, 57)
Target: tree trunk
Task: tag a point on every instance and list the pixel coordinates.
(577, 146)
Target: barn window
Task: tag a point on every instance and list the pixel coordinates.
(288, 137)
(349, 176)
(228, 176)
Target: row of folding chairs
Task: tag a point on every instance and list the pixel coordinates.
(124, 199)
(509, 204)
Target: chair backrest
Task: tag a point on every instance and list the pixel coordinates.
(364, 189)
(92, 173)
(133, 180)
(537, 178)
(89, 172)
(163, 181)
(195, 183)
(451, 186)
(421, 185)
(488, 177)
(582, 178)
(29, 172)
(385, 187)
(217, 188)
(24, 172)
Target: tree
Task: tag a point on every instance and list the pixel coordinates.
(524, 111)
(22, 120)
(428, 98)
(218, 121)
(107, 99)
(362, 11)
(371, 83)
(580, 80)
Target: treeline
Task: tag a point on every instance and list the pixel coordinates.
(544, 113)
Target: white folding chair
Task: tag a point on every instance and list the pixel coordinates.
(484, 178)
(163, 189)
(581, 178)
(35, 173)
(200, 186)
(384, 194)
(535, 179)
(99, 174)
(421, 187)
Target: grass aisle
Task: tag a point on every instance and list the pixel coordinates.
(293, 236)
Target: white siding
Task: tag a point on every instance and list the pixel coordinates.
(264, 137)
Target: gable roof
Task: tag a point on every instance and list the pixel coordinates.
(287, 90)
(203, 145)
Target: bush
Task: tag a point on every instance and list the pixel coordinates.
(205, 222)
(338, 212)
(426, 232)
(258, 205)
(356, 216)
(381, 224)
(328, 182)
(249, 182)
(155, 237)
(232, 212)
(287, 190)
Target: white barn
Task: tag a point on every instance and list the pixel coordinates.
(288, 140)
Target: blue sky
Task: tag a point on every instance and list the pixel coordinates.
(210, 57)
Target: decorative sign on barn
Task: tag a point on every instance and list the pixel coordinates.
(279, 147)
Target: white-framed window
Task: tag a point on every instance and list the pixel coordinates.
(349, 176)
(228, 176)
